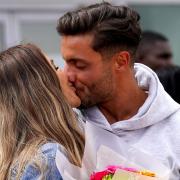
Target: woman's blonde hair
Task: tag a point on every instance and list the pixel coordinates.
(33, 110)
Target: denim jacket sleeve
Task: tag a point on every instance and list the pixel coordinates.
(52, 173)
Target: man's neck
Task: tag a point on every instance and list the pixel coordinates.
(123, 107)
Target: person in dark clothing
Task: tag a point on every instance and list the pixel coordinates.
(154, 51)
(169, 78)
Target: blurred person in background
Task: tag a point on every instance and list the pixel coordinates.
(35, 118)
(98, 44)
(154, 51)
(170, 79)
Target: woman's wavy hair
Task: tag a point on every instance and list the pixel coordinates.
(33, 110)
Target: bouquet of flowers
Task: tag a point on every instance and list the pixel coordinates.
(102, 148)
(123, 173)
(128, 170)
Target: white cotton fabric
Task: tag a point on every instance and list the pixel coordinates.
(155, 128)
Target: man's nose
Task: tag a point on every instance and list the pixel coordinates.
(71, 75)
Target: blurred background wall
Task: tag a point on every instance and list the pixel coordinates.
(163, 18)
(35, 21)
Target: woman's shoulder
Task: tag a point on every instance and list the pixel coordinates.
(49, 149)
(48, 152)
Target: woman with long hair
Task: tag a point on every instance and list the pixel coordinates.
(35, 118)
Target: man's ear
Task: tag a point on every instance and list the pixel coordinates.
(122, 59)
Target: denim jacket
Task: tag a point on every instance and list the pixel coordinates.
(52, 173)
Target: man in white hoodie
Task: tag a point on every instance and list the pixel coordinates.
(98, 45)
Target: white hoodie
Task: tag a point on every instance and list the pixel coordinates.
(155, 128)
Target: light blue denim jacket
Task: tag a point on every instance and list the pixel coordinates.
(49, 154)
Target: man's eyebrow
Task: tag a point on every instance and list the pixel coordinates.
(73, 59)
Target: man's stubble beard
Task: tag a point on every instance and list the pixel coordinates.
(98, 93)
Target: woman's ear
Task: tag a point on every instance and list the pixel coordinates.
(122, 59)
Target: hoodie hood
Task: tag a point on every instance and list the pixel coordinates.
(157, 107)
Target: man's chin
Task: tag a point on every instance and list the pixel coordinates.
(86, 100)
(85, 105)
